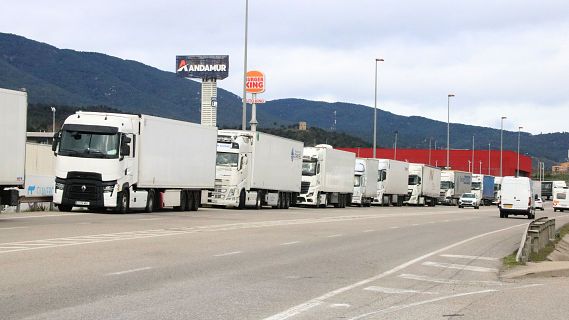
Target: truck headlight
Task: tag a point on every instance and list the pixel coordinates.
(231, 192)
(59, 186)
(109, 188)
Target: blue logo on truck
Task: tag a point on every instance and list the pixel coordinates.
(295, 154)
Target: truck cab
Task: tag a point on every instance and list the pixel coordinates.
(477, 185)
(447, 187)
(95, 161)
(232, 172)
(310, 186)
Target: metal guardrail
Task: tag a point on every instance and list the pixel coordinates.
(34, 200)
(537, 235)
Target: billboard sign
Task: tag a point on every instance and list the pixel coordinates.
(202, 67)
(255, 82)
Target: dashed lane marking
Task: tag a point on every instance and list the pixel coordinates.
(458, 266)
(460, 256)
(395, 290)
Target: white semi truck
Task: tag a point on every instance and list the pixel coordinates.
(122, 162)
(256, 169)
(13, 119)
(365, 181)
(393, 176)
(327, 177)
(424, 184)
(453, 185)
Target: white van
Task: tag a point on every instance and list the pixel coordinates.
(560, 199)
(517, 197)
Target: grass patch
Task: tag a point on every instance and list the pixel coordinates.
(510, 260)
(545, 252)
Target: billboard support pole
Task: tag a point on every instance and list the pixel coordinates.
(209, 103)
(253, 121)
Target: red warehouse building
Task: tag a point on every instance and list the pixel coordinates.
(485, 162)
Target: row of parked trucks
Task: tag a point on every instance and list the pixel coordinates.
(122, 162)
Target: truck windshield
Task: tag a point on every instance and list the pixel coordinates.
(357, 181)
(476, 185)
(414, 179)
(227, 159)
(445, 185)
(308, 168)
(89, 144)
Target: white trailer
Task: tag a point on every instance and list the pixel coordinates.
(424, 184)
(327, 177)
(393, 176)
(453, 185)
(13, 119)
(256, 169)
(123, 161)
(365, 181)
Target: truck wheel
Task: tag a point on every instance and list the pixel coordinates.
(123, 200)
(242, 196)
(287, 200)
(197, 199)
(64, 208)
(258, 202)
(183, 201)
(150, 202)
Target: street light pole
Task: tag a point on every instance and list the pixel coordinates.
(472, 153)
(53, 119)
(244, 117)
(395, 146)
(518, 166)
(375, 111)
(430, 150)
(501, 143)
(448, 129)
(488, 158)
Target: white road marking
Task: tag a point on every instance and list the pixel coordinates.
(149, 219)
(293, 311)
(395, 290)
(47, 216)
(369, 230)
(10, 228)
(405, 306)
(132, 235)
(448, 281)
(340, 305)
(460, 256)
(334, 235)
(289, 243)
(128, 271)
(458, 266)
(394, 227)
(446, 220)
(227, 254)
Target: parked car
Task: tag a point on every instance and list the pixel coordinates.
(469, 199)
(538, 204)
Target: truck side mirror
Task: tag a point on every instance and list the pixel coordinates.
(56, 140)
(125, 146)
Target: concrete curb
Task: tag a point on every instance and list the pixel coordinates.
(539, 270)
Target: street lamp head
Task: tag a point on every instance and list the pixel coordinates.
(52, 109)
(379, 59)
(504, 117)
(520, 128)
(450, 95)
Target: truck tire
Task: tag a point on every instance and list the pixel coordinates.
(123, 202)
(287, 200)
(197, 199)
(64, 208)
(242, 196)
(183, 201)
(150, 202)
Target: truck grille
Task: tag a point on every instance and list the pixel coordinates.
(304, 187)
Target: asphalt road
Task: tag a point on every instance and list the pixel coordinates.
(354, 263)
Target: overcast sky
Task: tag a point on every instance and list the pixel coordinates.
(500, 57)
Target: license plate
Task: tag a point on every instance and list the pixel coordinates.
(82, 203)
(509, 206)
